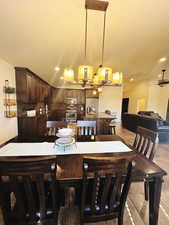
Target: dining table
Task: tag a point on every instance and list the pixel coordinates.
(70, 172)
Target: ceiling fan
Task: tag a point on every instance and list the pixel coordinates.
(163, 81)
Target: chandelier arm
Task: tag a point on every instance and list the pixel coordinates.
(104, 33)
(86, 29)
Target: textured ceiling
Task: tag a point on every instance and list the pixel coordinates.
(41, 34)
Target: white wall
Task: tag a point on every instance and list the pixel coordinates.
(135, 91)
(111, 99)
(8, 126)
(158, 99)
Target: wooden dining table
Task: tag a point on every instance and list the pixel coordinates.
(69, 174)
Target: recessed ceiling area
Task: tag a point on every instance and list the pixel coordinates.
(45, 35)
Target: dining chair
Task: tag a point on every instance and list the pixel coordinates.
(33, 188)
(86, 130)
(145, 144)
(105, 187)
(52, 129)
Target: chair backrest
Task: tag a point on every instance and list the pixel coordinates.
(54, 126)
(33, 184)
(104, 188)
(145, 142)
(85, 127)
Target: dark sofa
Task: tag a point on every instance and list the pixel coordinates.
(132, 121)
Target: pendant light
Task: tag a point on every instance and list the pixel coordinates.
(104, 73)
(117, 78)
(85, 72)
(68, 75)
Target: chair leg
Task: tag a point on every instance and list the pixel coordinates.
(81, 222)
(114, 128)
(146, 190)
(120, 220)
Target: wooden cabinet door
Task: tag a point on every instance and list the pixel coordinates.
(31, 89)
(68, 93)
(75, 93)
(21, 87)
(41, 126)
(80, 95)
(42, 92)
(57, 96)
(27, 127)
(89, 94)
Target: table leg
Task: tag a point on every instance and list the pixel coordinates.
(154, 199)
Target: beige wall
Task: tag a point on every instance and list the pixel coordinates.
(158, 99)
(136, 91)
(8, 127)
(111, 99)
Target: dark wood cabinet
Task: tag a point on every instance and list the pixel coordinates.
(89, 93)
(26, 87)
(58, 106)
(75, 93)
(31, 127)
(81, 97)
(57, 96)
(30, 88)
(32, 94)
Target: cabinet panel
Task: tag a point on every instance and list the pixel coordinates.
(89, 94)
(31, 89)
(32, 94)
(21, 87)
(75, 93)
(80, 96)
(57, 95)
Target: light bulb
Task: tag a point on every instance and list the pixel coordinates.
(99, 89)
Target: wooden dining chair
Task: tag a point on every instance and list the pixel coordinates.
(52, 129)
(145, 144)
(34, 191)
(104, 189)
(86, 130)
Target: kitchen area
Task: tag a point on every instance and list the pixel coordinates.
(39, 102)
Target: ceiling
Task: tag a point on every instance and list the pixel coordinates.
(41, 34)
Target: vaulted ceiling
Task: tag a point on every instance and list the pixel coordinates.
(41, 34)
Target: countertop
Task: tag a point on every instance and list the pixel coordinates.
(100, 116)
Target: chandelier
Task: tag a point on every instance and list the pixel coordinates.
(87, 77)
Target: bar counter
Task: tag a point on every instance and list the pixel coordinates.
(102, 122)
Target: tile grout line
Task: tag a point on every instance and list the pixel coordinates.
(164, 211)
(129, 212)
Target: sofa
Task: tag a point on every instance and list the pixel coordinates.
(132, 121)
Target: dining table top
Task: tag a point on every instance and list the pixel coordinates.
(70, 166)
